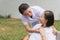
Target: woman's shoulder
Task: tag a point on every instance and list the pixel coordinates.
(37, 26)
(48, 29)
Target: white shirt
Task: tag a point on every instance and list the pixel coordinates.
(36, 12)
(48, 33)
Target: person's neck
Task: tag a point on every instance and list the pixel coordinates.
(44, 25)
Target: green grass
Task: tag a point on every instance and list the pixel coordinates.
(57, 24)
(13, 29)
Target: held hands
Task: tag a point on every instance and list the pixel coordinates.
(41, 31)
(43, 35)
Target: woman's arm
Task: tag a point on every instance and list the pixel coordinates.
(54, 30)
(43, 37)
(42, 32)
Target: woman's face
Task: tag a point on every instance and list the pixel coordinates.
(42, 19)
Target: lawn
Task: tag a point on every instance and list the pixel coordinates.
(13, 29)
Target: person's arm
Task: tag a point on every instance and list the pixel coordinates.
(42, 32)
(27, 26)
(43, 37)
(54, 30)
(29, 29)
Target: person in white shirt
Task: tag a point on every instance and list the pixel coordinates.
(30, 15)
(46, 27)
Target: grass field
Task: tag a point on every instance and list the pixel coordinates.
(13, 29)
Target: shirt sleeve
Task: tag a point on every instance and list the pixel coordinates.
(24, 20)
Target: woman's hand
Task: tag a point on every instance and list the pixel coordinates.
(43, 35)
(42, 32)
(54, 31)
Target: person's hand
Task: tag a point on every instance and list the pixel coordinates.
(43, 35)
(54, 31)
(37, 30)
(42, 32)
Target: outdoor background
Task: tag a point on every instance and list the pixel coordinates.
(11, 6)
(11, 27)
